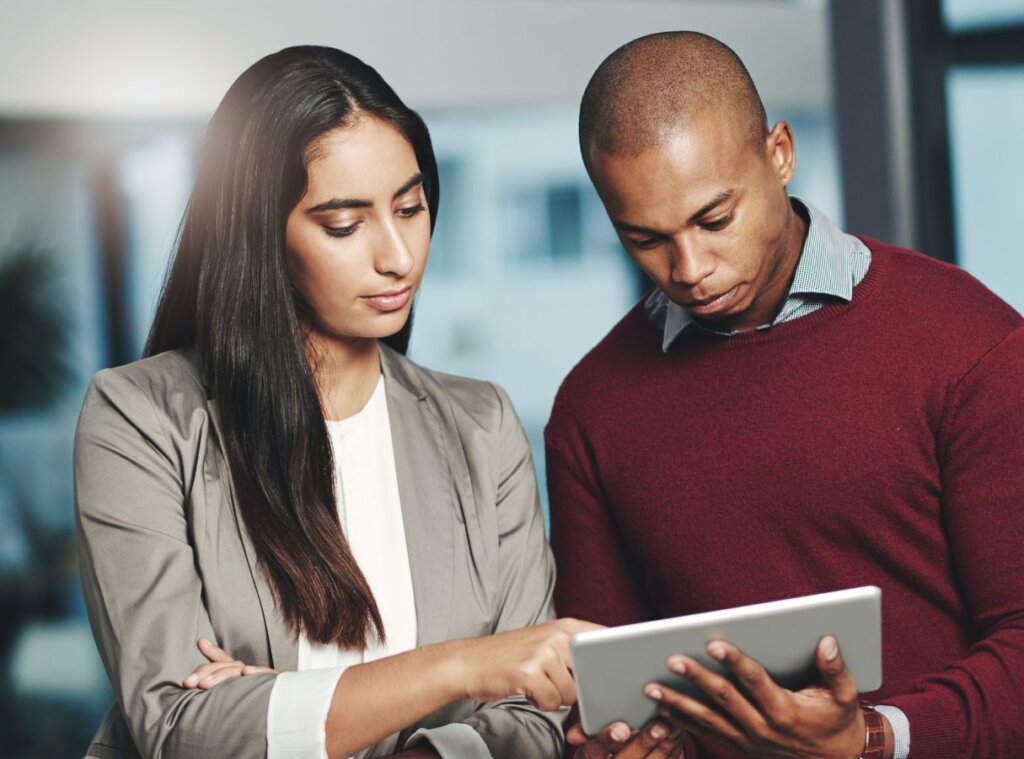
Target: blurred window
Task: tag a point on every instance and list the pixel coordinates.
(446, 247)
(965, 15)
(986, 120)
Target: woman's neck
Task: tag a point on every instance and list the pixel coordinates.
(346, 372)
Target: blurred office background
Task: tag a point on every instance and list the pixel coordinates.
(908, 116)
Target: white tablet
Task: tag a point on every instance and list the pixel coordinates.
(613, 665)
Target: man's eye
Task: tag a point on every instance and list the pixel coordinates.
(646, 244)
(717, 224)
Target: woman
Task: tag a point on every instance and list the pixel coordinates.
(278, 479)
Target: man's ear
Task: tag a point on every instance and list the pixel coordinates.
(781, 151)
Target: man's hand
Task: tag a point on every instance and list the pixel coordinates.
(657, 740)
(762, 719)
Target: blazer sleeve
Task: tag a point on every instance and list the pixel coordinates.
(511, 728)
(142, 589)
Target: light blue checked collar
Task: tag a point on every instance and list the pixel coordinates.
(831, 264)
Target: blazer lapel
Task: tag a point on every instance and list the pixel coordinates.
(282, 642)
(427, 493)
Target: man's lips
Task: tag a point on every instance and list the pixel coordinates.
(712, 305)
(392, 300)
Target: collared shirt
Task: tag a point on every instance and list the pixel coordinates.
(831, 264)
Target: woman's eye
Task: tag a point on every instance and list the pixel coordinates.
(409, 211)
(341, 231)
(717, 224)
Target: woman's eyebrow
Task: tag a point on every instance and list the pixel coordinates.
(336, 204)
(416, 179)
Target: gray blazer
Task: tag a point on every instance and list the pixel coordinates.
(166, 558)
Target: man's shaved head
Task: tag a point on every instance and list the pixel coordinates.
(651, 88)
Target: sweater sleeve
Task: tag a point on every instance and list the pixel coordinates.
(597, 579)
(973, 707)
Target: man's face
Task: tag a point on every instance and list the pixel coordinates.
(707, 217)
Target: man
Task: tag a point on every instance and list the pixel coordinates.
(791, 410)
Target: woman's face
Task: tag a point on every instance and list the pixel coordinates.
(358, 239)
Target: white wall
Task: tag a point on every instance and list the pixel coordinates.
(133, 57)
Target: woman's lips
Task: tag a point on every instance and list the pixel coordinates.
(389, 301)
(708, 307)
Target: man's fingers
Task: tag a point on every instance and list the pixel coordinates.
(834, 672)
(646, 741)
(671, 746)
(710, 720)
(608, 741)
(725, 696)
(752, 677)
(212, 651)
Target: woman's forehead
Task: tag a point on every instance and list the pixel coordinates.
(367, 158)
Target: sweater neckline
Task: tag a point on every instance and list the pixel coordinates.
(863, 293)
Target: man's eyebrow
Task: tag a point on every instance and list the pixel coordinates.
(720, 198)
(337, 204)
(623, 226)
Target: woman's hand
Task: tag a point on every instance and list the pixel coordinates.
(532, 662)
(657, 740)
(222, 667)
(764, 719)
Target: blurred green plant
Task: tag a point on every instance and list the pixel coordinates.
(33, 331)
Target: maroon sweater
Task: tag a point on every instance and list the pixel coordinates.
(877, 442)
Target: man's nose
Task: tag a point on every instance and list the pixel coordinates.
(690, 263)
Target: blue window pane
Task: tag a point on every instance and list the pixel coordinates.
(964, 15)
(986, 110)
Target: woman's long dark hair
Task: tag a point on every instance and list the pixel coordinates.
(228, 294)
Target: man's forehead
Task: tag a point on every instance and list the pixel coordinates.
(691, 165)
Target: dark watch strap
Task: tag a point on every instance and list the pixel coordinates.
(874, 733)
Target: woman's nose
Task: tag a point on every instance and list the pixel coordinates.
(393, 255)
